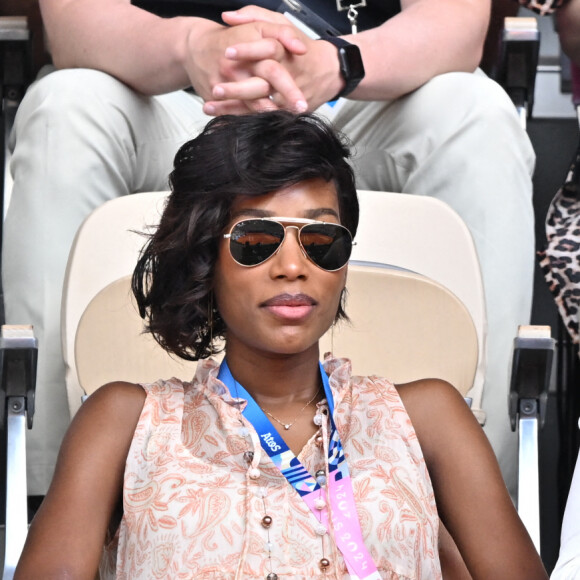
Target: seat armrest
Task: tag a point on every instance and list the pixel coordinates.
(531, 372)
(518, 62)
(18, 356)
(15, 56)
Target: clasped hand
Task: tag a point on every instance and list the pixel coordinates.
(259, 62)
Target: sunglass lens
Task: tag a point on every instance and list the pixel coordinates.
(254, 241)
(327, 245)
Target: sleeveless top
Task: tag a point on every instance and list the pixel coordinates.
(192, 511)
(374, 13)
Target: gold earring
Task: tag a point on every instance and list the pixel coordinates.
(332, 339)
(210, 321)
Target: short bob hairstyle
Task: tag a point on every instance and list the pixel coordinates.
(235, 156)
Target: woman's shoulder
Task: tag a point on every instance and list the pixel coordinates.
(118, 394)
(428, 399)
(118, 403)
(127, 400)
(439, 414)
(427, 392)
(419, 393)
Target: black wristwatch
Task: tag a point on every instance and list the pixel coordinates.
(351, 64)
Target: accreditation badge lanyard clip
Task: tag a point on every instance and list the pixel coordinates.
(348, 534)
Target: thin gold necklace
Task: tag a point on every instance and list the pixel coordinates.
(288, 425)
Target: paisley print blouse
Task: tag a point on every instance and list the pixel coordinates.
(191, 510)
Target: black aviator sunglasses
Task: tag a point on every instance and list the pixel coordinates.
(253, 241)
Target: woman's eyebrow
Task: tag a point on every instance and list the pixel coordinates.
(251, 212)
(312, 214)
(321, 211)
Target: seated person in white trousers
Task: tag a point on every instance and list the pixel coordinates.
(423, 120)
(568, 564)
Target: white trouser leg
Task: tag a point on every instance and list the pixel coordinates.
(458, 138)
(81, 138)
(568, 564)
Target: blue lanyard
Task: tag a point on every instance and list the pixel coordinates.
(272, 442)
(350, 542)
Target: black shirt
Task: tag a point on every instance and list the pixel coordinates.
(370, 16)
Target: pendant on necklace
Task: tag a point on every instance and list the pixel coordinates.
(352, 13)
(287, 426)
(352, 16)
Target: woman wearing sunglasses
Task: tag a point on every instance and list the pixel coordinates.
(269, 465)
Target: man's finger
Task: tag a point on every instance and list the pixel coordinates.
(253, 14)
(243, 90)
(267, 48)
(216, 108)
(283, 85)
(272, 25)
(233, 107)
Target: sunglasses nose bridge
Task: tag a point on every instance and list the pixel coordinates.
(285, 227)
(298, 241)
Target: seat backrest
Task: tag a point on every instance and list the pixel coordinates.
(403, 326)
(110, 343)
(105, 249)
(414, 233)
(425, 235)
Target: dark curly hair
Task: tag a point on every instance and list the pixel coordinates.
(235, 156)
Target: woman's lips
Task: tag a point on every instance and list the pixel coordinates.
(290, 306)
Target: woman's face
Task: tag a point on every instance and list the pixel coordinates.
(285, 304)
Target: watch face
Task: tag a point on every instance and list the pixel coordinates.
(351, 64)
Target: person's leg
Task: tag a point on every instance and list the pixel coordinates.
(80, 139)
(458, 139)
(568, 564)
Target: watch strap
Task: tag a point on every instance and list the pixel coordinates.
(346, 52)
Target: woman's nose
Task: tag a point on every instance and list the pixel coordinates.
(290, 260)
